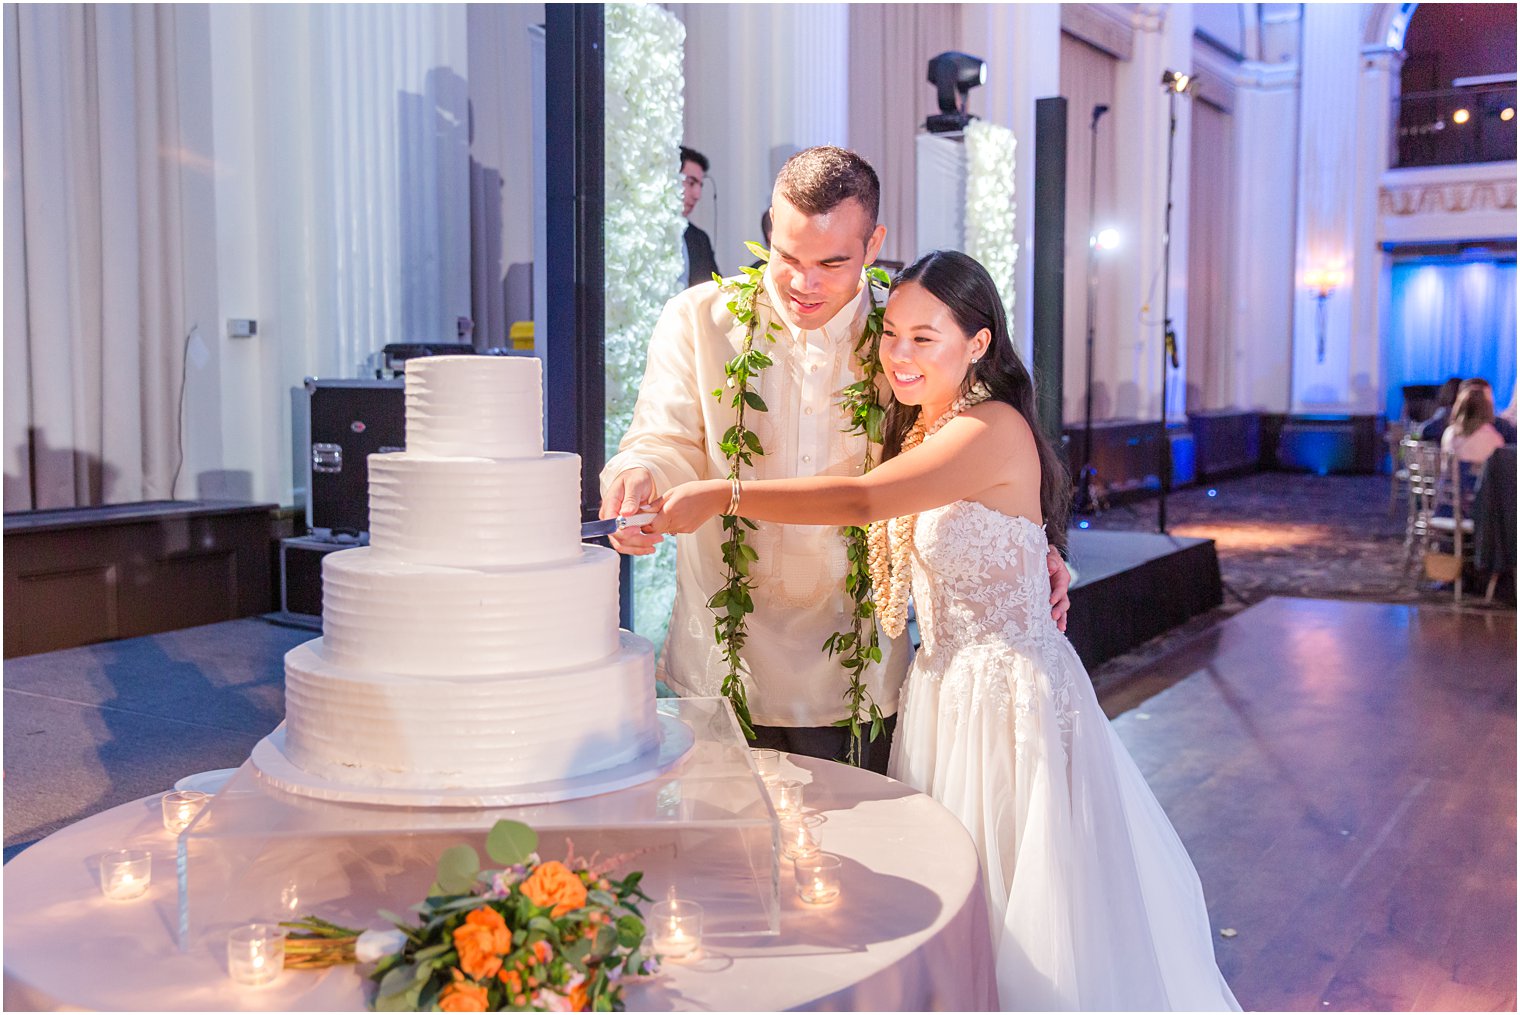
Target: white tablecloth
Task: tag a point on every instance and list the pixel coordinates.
(909, 931)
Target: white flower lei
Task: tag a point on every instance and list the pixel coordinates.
(990, 236)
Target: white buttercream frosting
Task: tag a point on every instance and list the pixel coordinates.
(475, 406)
(381, 613)
(475, 642)
(377, 728)
(463, 512)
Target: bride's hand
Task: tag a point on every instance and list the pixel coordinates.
(689, 506)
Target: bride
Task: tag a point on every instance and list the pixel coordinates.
(1095, 904)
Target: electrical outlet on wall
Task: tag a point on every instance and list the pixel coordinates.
(242, 327)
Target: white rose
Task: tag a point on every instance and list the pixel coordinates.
(374, 945)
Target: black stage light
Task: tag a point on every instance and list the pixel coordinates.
(954, 74)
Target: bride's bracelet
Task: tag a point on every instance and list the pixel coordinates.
(733, 500)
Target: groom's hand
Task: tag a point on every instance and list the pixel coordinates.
(1060, 585)
(629, 491)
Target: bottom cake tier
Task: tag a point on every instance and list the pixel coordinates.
(384, 729)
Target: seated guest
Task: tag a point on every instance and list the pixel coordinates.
(1435, 426)
(1472, 436)
(1502, 423)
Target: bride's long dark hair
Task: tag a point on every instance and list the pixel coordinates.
(963, 285)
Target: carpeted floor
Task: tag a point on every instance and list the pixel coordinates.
(1288, 534)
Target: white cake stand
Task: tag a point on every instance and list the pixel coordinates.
(674, 740)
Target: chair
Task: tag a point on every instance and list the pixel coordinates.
(1398, 481)
(1422, 469)
(1448, 545)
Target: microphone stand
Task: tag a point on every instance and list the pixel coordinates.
(1085, 501)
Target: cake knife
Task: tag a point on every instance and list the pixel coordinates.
(607, 526)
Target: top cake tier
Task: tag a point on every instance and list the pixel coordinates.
(475, 406)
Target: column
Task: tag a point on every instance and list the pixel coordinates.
(1329, 181)
(1132, 368)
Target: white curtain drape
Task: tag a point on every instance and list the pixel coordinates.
(1452, 319)
(1088, 79)
(890, 47)
(95, 327)
(1209, 344)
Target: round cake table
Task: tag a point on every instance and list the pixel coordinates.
(908, 932)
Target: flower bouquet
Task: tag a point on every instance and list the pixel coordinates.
(534, 936)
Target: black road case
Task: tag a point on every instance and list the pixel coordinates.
(350, 420)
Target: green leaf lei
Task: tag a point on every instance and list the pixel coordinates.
(858, 646)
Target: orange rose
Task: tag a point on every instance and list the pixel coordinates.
(481, 941)
(543, 951)
(554, 884)
(580, 997)
(512, 979)
(463, 995)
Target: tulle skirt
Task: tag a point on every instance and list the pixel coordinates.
(1095, 903)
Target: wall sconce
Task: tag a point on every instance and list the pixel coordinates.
(1322, 282)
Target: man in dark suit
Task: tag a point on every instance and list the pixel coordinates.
(701, 265)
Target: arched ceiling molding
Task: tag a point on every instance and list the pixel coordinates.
(1387, 25)
(1105, 26)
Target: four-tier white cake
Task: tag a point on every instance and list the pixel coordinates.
(475, 642)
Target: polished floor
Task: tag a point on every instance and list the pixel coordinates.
(1343, 774)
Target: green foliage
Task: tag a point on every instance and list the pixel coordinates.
(857, 647)
(582, 945)
(511, 843)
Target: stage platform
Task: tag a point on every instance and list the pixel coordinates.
(1132, 586)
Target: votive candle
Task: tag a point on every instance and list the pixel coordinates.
(767, 762)
(817, 878)
(801, 836)
(676, 927)
(256, 953)
(786, 794)
(181, 807)
(125, 873)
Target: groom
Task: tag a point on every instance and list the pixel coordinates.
(823, 235)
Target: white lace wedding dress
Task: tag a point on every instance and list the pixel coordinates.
(1095, 904)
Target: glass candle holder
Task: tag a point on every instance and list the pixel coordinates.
(767, 762)
(125, 873)
(786, 794)
(180, 808)
(801, 836)
(675, 926)
(256, 953)
(817, 878)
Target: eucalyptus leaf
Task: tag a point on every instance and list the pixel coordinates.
(397, 981)
(458, 867)
(511, 843)
(606, 939)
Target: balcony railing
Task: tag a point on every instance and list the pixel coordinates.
(1455, 126)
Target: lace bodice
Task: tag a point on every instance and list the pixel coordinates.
(982, 594)
(979, 575)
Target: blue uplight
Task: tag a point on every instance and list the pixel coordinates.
(1084, 523)
(1213, 493)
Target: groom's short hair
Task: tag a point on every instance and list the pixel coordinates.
(818, 180)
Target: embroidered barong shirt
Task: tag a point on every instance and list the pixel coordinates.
(799, 593)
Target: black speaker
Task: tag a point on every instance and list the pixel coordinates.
(1049, 338)
(301, 575)
(350, 420)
